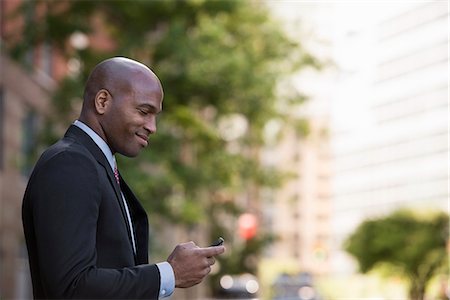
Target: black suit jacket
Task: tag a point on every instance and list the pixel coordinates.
(76, 231)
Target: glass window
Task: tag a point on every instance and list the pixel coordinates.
(2, 118)
(46, 59)
(29, 142)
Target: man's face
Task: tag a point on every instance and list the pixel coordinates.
(132, 116)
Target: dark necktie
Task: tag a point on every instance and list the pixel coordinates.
(116, 174)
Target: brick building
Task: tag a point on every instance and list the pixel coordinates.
(24, 100)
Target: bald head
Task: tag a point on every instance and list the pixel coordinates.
(121, 100)
(114, 74)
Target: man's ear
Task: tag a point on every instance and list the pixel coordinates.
(102, 101)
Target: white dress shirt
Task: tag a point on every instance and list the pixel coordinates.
(167, 285)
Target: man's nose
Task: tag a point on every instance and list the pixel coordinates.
(150, 124)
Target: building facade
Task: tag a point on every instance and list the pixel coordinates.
(389, 125)
(23, 100)
(385, 91)
(300, 211)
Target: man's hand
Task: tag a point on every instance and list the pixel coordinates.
(191, 264)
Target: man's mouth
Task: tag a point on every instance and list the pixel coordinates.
(143, 138)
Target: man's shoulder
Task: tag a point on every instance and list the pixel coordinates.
(66, 149)
(66, 145)
(62, 165)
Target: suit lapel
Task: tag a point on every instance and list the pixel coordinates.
(97, 153)
(140, 223)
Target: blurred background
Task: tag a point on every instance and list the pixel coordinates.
(312, 136)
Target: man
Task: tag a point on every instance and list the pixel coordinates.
(86, 233)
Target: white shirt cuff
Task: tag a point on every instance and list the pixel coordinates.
(167, 279)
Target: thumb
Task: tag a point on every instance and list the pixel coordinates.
(211, 251)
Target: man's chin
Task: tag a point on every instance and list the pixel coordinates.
(131, 152)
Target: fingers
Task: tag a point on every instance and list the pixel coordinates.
(191, 263)
(206, 251)
(211, 261)
(188, 245)
(211, 251)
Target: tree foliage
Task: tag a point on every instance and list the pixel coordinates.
(216, 60)
(414, 245)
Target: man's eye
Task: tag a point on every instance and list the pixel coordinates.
(144, 112)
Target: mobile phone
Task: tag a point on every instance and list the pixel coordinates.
(217, 242)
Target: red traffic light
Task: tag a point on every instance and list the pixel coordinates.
(247, 224)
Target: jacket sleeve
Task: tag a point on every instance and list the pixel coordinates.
(65, 207)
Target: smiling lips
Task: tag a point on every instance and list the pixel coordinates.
(143, 137)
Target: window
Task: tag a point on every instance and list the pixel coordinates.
(29, 15)
(29, 142)
(2, 120)
(46, 59)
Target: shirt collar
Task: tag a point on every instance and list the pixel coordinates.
(99, 141)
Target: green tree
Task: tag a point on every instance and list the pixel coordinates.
(219, 62)
(413, 245)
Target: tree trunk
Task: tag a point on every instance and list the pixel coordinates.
(417, 290)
